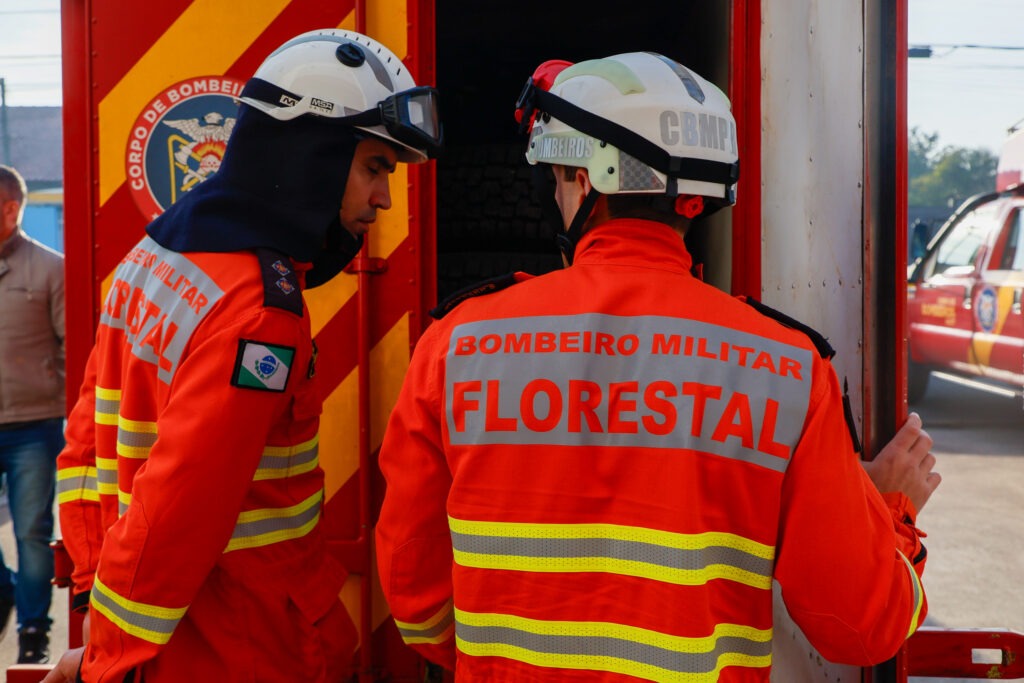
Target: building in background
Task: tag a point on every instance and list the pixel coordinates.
(31, 141)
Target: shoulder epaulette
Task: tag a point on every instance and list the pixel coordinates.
(494, 284)
(280, 283)
(825, 349)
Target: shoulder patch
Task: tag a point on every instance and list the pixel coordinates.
(280, 283)
(825, 349)
(494, 284)
(262, 366)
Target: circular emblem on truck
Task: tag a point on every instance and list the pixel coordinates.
(179, 139)
(986, 308)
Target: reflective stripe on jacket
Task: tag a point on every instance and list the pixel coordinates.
(596, 474)
(190, 501)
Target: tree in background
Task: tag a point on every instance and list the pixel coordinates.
(946, 176)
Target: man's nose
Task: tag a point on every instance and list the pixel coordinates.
(382, 197)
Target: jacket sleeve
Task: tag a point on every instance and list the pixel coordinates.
(414, 553)
(77, 490)
(849, 565)
(187, 497)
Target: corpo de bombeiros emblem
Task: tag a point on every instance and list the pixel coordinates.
(179, 139)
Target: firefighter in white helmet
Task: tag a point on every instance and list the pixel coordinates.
(596, 474)
(190, 489)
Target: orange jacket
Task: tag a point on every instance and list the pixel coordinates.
(190, 489)
(596, 474)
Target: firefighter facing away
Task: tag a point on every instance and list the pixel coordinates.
(595, 474)
(190, 490)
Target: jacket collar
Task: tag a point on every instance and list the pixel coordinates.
(635, 242)
(11, 244)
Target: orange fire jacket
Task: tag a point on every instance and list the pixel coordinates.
(190, 489)
(596, 474)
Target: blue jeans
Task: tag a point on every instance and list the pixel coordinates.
(28, 460)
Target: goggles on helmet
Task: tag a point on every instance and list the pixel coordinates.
(410, 117)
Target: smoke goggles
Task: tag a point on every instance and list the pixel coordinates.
(410, 117)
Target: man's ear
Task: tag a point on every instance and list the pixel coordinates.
(582, 178)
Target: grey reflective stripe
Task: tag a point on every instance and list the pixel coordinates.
(594, 648)
(106, 476)
(107, 406)
(274, 465)
(80, 481)
(83, 483)
(135, 439)
(149, 622)
(627, 381)
(432, 633)
(158, 297)
(632, 551)
(272, 525)
(268, 526)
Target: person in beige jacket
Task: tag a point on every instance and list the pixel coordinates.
(32, 412)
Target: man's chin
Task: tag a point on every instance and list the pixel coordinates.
(358, 228)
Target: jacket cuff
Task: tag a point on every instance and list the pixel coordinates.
(904, 517)
(901, 507)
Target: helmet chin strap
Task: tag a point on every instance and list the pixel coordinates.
(568, 239)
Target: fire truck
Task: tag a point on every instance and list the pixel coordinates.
(819, 230)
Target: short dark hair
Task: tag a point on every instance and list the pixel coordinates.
(652, 207)
(12, 185)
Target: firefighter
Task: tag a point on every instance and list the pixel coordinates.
(190, 489)
(597, 473)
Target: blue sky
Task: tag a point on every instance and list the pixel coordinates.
(969, 96)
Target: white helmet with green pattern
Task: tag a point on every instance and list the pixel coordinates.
(640, 123)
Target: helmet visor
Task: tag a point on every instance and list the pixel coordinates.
(411, 117)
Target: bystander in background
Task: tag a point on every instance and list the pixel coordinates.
(31, 414)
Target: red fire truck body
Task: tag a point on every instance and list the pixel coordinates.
(818, 91)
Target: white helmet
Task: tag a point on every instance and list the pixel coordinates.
(348, 78)
(640, 123)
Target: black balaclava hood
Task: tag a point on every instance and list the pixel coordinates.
(279, 187)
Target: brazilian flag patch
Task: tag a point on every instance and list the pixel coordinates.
(262, 366)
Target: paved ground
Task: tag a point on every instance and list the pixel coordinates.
(975, 520)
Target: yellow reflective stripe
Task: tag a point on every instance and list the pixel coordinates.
(108, 394)
(681, 559)
(272, 525)
(107, 402)
(148, 622)
(279, 462)
(436, 629)
(918, 595)
(124, 499)
(77, 483)
(626, 650)
(106, 475)
(135, 438)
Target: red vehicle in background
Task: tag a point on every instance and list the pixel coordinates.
(964, 294)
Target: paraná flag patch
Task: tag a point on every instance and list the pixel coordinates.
(262, 366)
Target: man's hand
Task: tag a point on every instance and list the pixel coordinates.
(905, 464)
(66, 670)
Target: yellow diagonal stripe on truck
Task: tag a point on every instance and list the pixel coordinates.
(196, 44)
(339, 427)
